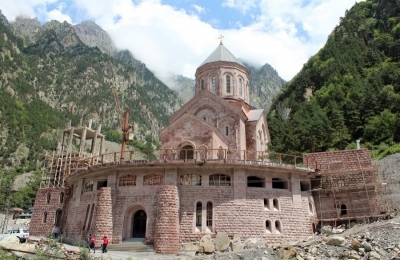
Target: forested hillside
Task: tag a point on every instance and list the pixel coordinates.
(349, 90)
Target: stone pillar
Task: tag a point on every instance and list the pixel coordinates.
(103, 224)
(166, 239)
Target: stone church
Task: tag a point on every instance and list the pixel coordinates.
(212, 175)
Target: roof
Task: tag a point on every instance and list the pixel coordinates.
(254, 115)
(221, 54)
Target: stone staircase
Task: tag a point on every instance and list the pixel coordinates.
(131, 245)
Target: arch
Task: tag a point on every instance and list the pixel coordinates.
(128, 219)
(89, 186)
(86, 217)
(48, 197)
(127, 180)
(254, 181)
(219, 179)
(190, 179)
(268, 227)
(228, 83)
(199, 217)
(186, 152)
(45, 217)
(58, 217)
(343, 209)
(139, 224)
(266, 204)
(279, 183)
(278, 227)
(153, 179)
(209, 216)
(61, 197)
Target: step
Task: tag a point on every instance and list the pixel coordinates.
(133, 245)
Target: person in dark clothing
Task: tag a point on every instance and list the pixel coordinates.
(92, 244)
(104, 245)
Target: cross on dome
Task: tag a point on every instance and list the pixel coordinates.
(220, 39)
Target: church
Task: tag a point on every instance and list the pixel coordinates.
(212, 174)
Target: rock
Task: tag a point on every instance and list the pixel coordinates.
(254, 243)
(355, 244)
(367, 246)
(336, 241)
(299, 257)
(206, 244)
(338, 230)
(288, 253)
(380, 251)
(354, 257)
(190, 247)
(10, 240)
(374, 256)
(236, 243)
(326, 230)
(221, 241)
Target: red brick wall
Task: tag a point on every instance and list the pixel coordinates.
(37, 226)
(103, 221)
(166, 239)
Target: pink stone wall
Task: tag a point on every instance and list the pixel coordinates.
(38, 227)
(166, 239)
(103, 220)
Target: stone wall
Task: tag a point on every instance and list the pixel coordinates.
(48, 201)
(166, 238)
(103, 221)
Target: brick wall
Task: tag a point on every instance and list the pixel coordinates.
(166, 239)
(47, 202)
(103, 221)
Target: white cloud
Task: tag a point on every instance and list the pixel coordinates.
(169, 40)
(199, 9)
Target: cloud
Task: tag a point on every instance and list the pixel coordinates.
(241, 5)
(199, 9)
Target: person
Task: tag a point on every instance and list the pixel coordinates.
(104, 245)
(55, 231)
(88, 240)
(92, 243)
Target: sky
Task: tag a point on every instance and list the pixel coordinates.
(173, 37)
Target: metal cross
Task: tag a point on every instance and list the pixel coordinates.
(220, 39)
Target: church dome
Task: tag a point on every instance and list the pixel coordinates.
(221, 54)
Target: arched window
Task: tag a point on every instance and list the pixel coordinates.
(58, 217)
(310, 207)
(266, 204)
(45, 217)
(199, 209)
(62, 197)
(186, 152)
(86, 216)
(214, 84)
(278, 183)
(253, 181)
(48, 198)
(228, 84)
(89, 186)
(127, 180)
(268, 226)
(278, 227)
(202, 84)
(343, 210)
(209, 220)
(226, 130)
(190, 179)
(153, 179)
(275, 203)
(219, 180)
(240, 88)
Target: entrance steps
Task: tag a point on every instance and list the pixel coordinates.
(131, 245)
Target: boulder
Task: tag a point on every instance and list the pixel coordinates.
(254, 243)
(221, 241)
(9, 240)
(190, 247)
(336, 241)
(367, 246)
(206, 244)
(287, 253)
(355, 244)
(374, 256)
(236, 243)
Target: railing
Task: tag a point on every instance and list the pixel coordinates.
(198, 156)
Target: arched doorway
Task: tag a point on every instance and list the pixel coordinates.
(58, 217)
(139, 222)
(343, 210)
(186, 152)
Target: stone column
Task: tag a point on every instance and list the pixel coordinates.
(103, 224)
(166, 239)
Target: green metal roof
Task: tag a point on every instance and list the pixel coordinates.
(221, 54)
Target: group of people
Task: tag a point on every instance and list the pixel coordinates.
(92, 243)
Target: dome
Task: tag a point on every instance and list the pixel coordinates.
(221, 54)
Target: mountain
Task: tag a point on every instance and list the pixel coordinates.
(349, 90)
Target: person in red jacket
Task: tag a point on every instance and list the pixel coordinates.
(104, 245)
(92, 244)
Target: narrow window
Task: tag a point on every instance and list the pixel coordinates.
(61, 197)
(202, 84)
(310, 207)
(240, 88)
(48, 198)
(228, 84)
(278, 227)
(44, 217)
(90, 218)
(209, 215)
(199, 209)
(275, 203)
(86, 217)
(89, 186)
(214, 84)
(343, 209)
(226, 131)
(268, 226)
(266, 204)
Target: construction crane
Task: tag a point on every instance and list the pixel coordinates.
(124, 124)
